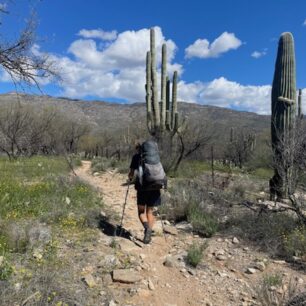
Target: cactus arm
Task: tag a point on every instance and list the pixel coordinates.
(149, 92)
(148, 82)
(156, 112)
(163, 87)
(174, 99)
(286, 100)
(168, 102)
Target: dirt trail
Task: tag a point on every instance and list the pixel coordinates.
(171, 286)
(220, 280)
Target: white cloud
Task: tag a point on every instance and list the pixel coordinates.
(203, 49)
(224, 93)
(304, 23)
(117, 70)
(98, 33)
(258, 54)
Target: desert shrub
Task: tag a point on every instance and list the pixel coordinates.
(202, 222)
(262, 173)
(40, 190)
(181, 195)
(295, 242)
(265, 230)
(239, 190)
(76, 160)
(267, 295)
(6, 270)
(195, 168)
(3, 244)
(273, 280)
(195, 254)
(47, 199)
(45, 287)
(101, 164)
(14, 236)
(122, 166)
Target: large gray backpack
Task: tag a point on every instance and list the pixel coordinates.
(153, 176)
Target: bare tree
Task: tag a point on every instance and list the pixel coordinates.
(37, 140)
(18, 57)
(72, 132)
(184, 144)
(14, 120)
(293, 162)
(240, 148)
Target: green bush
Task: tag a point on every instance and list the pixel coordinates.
(195, 254)
(266, 230)
(202, 222)
(100, 164)
(266, 295)
(275, 280)
(6, 270)
(295, 242)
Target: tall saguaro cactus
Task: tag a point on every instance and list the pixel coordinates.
(161, 115)
(300, 111)
(283, 116)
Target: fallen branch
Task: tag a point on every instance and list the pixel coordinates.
(277, 207)
(32, 296)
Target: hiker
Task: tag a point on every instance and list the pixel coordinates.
(148, 196)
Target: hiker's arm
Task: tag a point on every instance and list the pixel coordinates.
(131, 174)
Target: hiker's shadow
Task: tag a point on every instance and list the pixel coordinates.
(110, 229)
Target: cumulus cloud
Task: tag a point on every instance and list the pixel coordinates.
(202, 48)
(117, 70)
(258, 54)
(98, 33)
(224, 93)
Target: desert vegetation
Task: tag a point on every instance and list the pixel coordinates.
(224, 181)
(40, 206)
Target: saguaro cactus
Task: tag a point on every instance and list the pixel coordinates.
(283, 116)
(300, 111)
(161, 115)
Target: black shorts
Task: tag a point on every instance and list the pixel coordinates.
(148, 197)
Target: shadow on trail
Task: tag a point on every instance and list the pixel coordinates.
(110, 229)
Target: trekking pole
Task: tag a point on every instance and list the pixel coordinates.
(125, 201)
(163, 228)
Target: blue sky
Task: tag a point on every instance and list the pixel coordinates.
(224, 50)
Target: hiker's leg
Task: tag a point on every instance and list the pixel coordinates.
(150, 217)
(142, 208)
(142, 214)
(148, 231)
(153, 200)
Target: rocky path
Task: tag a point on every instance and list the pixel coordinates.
(156, 274)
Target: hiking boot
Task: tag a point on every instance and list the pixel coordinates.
(147, 236)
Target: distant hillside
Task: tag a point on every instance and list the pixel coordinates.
(114, 116)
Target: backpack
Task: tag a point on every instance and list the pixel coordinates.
(151, 172)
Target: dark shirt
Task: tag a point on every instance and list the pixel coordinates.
(135, 165)
(135, 161)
